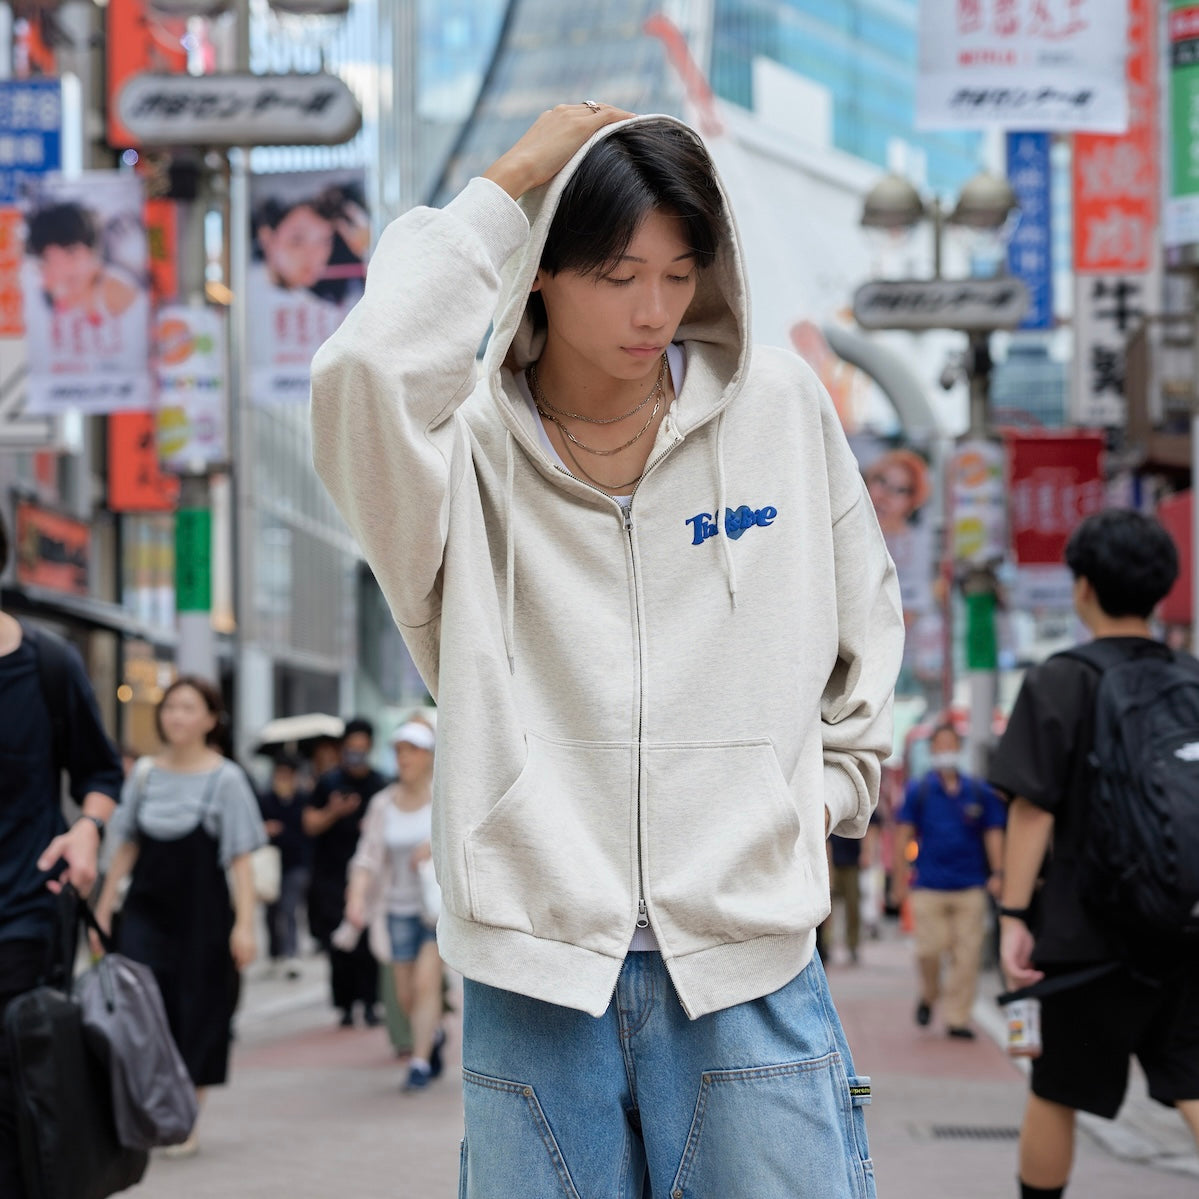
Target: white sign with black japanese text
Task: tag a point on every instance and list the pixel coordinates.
(1107, 311)
(1044, 64)
(239, 110)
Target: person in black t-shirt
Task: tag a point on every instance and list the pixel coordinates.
(37, 851)
(1123, 565)
(282, 807)
(333, 819)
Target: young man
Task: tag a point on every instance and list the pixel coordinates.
(1123, 565)
(636, 564)
(37, 851)
(333, 819)
(958, 824)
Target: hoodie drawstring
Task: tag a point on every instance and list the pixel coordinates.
(510, 568)
(730, 567)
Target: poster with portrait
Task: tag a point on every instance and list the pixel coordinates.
(900, 486)
(309, 238)
(85, 294)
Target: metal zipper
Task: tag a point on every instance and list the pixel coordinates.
(627, 522)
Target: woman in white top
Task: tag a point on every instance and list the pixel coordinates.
(386, 891)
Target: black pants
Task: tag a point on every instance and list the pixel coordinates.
(355, 975)
(21, 965)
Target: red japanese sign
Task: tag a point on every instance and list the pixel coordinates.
(138, 40)
(51, 550)
(1054, 480)
(1175, 514)
(136, 481)
(12, 320)
(1116, 177)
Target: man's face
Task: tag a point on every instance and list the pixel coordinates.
(620, 322)
(283, 781)
(297, 250)
(355, 754)
(68, 273)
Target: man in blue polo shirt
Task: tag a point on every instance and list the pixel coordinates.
(958, 824)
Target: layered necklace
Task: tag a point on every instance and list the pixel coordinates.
(571, 442)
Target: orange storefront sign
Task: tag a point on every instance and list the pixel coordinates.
(162, 244)
(138, 40)
(1116, 177)
(12, 320)
(52, 550)
(136, 481)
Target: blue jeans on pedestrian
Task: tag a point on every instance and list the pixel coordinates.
(758, 1100)
(281, 925)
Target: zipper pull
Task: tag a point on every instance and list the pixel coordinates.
(628, 517)
(642, 914)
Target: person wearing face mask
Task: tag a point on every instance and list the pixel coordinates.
(333, 819)
(958, 824)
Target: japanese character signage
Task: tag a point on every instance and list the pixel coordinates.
(136, 480)
(52, 550)
(1116, 257)
(239, 110)
(1180, 226)
(1023, 64)
(136, 41)
(30, 125)
(941, 304)
(190, 345)
(1030, 250)
(309, 235)
(1054, 481)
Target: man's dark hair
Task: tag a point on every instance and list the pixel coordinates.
(66, 224)
(945, 727)
(636, 170)
(1129, 559)
(359, 724)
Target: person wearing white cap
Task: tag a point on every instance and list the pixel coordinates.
(388, 891)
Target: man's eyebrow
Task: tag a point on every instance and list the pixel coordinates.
(677, 258)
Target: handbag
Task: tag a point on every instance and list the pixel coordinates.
(154, 1101)
(66, 1127)
(266, 864)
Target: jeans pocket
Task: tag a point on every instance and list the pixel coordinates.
(512, 1150)
(775, 1132)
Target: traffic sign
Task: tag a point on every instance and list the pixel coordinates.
(971, 305)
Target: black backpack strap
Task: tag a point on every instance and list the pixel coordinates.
(53, 671)
(1054, 983)
(1105, 652)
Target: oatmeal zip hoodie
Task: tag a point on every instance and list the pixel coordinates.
(644, 716)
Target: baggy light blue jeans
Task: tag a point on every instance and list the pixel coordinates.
(756, 1100)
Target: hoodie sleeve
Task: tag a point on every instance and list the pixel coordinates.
(856, 707)
(386, 385)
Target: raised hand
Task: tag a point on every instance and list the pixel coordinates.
(548, 145)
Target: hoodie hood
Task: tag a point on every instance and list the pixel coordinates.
(716, 325)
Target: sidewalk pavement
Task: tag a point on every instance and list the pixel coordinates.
(314, 1111)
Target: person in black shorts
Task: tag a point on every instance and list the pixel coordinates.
(1123, 565)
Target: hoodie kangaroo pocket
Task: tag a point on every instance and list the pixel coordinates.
(554, 856)
(726, 857)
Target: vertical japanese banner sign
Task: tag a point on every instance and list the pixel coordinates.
(87, 308)
(30, 146)
(190, 344)
(1054, 481)
(1030, 251)
(1181, 222)
(1021, 64)
(1116, 255)
(310, 234)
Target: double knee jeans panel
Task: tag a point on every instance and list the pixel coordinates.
(760, 1099)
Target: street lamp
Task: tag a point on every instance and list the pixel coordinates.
(986, 206)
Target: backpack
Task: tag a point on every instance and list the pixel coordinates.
(1138, 853)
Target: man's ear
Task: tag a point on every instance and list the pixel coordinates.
(536, 284)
